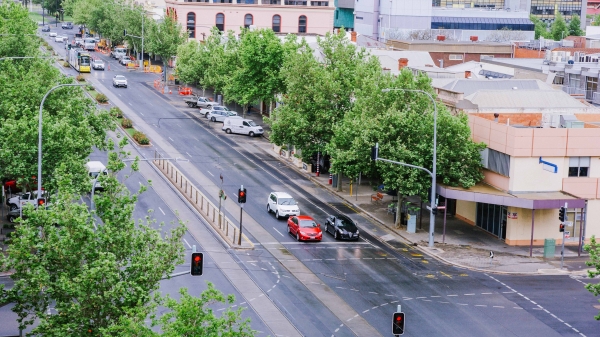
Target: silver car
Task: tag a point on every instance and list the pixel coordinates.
(213, 108)
(98, 64)
(119, 81)
(220, 115)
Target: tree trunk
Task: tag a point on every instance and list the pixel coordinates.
(244, 110)
(398, 210)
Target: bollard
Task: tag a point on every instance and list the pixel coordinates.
(201, 203)
(214, 211)
(196, 197)
(330, 179)
(227, 228)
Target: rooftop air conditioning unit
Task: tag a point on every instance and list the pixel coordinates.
(570, 122)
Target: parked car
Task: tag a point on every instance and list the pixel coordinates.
(59, 38)
(45, 28)
(79, 42)
(67, 25)
(305, 228)
(241, 126)
(211, 108)
(119, 81)
(98, 64)
(220, 115)
(125, 59)
(52, 34)
(341, 227)
(15, 202)
(199, 102)
(282, 204)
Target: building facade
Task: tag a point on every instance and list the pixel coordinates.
(344, 14)
(282, 16)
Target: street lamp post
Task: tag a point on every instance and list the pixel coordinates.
(431, 173)
(39, 176)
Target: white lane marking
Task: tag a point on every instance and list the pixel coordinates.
(210, 173)
(451, 295)
(163, 212)
(187, 243)
(171, 139)
(275, 229)
(486, 293)
(129, 103)
(141, 114)
(469, 294)
(498, 306)
(195, 138)
(119, 95)
(189, 155)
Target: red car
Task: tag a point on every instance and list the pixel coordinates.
(305, 228)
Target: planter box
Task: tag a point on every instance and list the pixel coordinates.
(276, 148)
(306, 167)
(297, 161)
(284, 153)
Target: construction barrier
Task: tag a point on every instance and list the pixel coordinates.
(185, 91)
(153, 69)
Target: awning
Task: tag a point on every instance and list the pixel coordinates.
(485, 193)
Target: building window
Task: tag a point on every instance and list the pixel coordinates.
(295, 3)
(248, 20)
(496, 161)
(579, 166)
(456, 57)
(319, 3)
(220, 22)
(191, 24)
(481, 57)
(302, 24)
(276, 23)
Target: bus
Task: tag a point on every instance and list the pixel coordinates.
(79, 60)
(89, 43)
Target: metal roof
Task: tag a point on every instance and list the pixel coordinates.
(470, 86)
(524, 99)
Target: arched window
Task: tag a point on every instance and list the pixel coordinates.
(191, 24)
(276, 23)
(220, 22)
(248, 20)
(302, 24)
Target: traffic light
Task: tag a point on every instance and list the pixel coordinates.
(398, 323)
(197, 263)
(241, 195)
(41, 202)
(561, 214)
(561, 228)
(375, 152)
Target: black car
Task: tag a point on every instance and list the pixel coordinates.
(341, 227)
(45, 28)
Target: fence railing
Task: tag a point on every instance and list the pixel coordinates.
(223, 225)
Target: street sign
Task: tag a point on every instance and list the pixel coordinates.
(567, 234)
(568, 223)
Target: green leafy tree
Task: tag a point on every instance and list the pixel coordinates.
(260, 55)
(221, 55)
(90, 267)
(540, 28)
(574, 26)
(192, 62)
(593, 248)
(559, 29)
(318, 93)
(402, 123)
(164, 38)
(17, 31)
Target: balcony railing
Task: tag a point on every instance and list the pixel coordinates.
(573, 91)
(596, 98)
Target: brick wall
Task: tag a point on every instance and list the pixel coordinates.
(436, 56)
(526, 119)
(522, 53)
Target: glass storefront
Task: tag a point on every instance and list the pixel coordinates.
(492, 218)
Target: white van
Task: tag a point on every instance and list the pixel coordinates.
(95, 168)
(242, 126)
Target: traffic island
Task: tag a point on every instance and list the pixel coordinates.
(136, 136)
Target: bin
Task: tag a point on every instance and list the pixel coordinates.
(334, 181)
(549, 246)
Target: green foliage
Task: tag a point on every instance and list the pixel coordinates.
(80, 78)
(164, 38)
(141, 138)
(317, 94)
(101, 98)
(126, 123)
(402, 123)
(18, 31)
(540, 28)
(256, 76)
(66, 64)
(593, 248)
(559, 29)
(116, 112)
(92, 268)
(89, 87)
(574, 26)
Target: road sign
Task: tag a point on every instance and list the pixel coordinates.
(567, 234)
(568, 223)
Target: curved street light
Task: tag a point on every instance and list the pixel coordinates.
(39, 176)
(432, 174)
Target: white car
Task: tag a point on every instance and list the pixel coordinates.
(59, 38)
(15, 203)
(213, 109)
(98, 64)
(220, 115)
(119, 81)
(125, 59)
(282, 204)
(52, 34)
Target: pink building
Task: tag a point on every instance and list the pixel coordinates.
(283, 16)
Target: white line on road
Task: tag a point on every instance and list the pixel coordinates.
(195, 138)
(210, 173)
(119, 95)
(129, 103)
(171, 139)
(187, 243)
(189, 155)
(141, 114)
(163, 212)
(273, 227)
